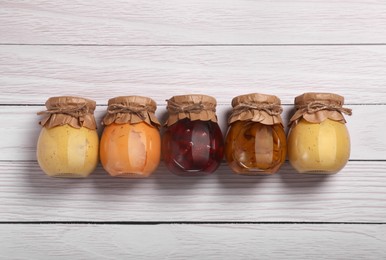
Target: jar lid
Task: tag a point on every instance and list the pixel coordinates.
(255, 107)
(75, 111)
(131, 109)
(317, 107)
(193, 107)
(255, 98)
(325, 98)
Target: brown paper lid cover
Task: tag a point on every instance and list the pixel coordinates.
(255, 107)
(193, 107)
(131, 110)
(317, 107)
(74, 111)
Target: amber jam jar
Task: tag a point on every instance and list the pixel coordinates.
(192, 143)
(318, 139)
(68, 142)
(256, 141)
(131, 143)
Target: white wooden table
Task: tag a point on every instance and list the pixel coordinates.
(163, 48)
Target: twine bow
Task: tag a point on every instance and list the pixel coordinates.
(77, 112)
(176, 108)
(270, 109)
(314, 107)
(243, 112)
(310, 113)
(76, 116)
(136, 110)
(130, 113)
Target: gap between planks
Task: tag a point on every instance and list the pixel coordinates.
(188, 223)
(195, 45)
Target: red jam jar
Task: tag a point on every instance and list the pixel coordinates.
(192, 143)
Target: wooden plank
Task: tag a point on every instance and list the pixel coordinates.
(19, 135)
(32, 73)
(193, 241)
(358, 193)
(221, 48)
(192, 22)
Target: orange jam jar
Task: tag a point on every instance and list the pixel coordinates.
(131, 144)
(68, 142)
(318, 139)
(256, 141)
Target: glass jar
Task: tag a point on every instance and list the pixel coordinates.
(256, 141)
(192, 143)
(131, 143)
(318, 139)
(68, 142)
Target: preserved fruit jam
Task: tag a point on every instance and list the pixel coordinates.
(256, 141)
(192, 143)
(131, 144)
(318, 140)
(68, 142)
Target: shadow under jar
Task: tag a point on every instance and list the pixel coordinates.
(318, 139)
(256, 141)
(192, 143)
(131, 144)
(68, 142)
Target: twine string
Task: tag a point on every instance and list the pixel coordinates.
(176, 108)
(78, 112)
(139, 111)
(270, 109)
(314, 107)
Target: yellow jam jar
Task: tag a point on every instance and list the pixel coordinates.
(318, 139)
(68, 142)
(131, 144)
(256, 141)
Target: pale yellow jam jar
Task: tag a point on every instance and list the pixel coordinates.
(68, 143)
(318, 139)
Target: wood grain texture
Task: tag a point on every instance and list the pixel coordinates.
(356, 194)
(193, 242)
(192, 22)
(29, 74)
(222, 48)
(20, 134)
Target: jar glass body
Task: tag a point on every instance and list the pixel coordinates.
(318, 147)
(192, 148)
(253, 148)
(130, 150)
(65, 151)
